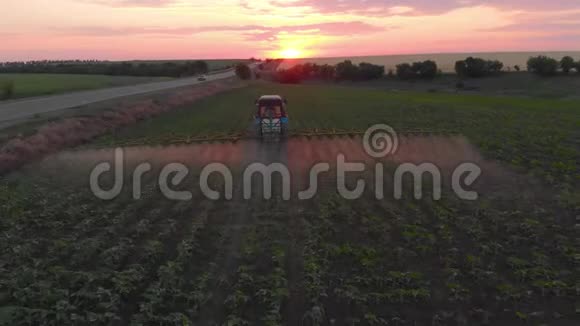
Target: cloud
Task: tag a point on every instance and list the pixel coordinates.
(570, 38)
(400, 10)
(251, 32)
(413, 7)
(106, 31)
(537, 27)
(134, 3)
(362, 7)
(327, 29)
(549, 22)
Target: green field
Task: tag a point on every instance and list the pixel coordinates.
(507, 258)
(506, 84)
(26, 85)
(540, 135)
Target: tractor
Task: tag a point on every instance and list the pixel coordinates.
(271, 118)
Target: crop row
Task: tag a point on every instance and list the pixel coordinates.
(436, 263)
(67, 258)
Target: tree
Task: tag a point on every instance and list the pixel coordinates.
(405, 71)
(201, 67)
(425, 69)
(494, 66)
(543, 66)
(369, 71)
(327, 71)
(477, 67)
(290, 76)
(243, 71)
(461, 68)
(346, 70)
(190, 68)
(168, 69)
(309, 70)
(567, 63)
(342, 71)
(517, 68)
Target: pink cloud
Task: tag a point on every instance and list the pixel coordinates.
(327, 29)
(537, 26)
(133, 3)
(137, 29)
(252, 32)
(385, 7)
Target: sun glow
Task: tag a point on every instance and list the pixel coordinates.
(290, 54)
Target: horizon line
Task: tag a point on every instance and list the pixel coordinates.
(305, 58)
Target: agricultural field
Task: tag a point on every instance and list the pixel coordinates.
(26, 85)
(523, 84)
(536, 134)
(507, 258)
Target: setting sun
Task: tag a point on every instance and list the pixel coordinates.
(290, 54)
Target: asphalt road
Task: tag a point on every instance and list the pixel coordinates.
(13, 111)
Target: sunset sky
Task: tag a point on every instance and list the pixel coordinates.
(186, 29)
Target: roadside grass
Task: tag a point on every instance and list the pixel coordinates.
(206, 117)
(26, 85)
(540, 135)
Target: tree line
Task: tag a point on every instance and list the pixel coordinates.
(93, 67)
(539, 65)
(546, 66)
(345, 70)
(471, 67)
(477, 67)
(417, 70)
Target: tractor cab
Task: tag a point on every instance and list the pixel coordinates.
(271, 116)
